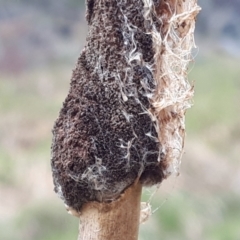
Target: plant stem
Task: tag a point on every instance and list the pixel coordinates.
(118, 220)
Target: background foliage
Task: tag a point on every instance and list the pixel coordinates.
(39, 45)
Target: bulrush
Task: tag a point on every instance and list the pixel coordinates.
(121, 126)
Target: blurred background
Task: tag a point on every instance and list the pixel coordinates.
(40, 42)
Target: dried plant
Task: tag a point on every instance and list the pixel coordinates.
(122, 122)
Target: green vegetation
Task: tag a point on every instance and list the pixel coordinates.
(216, 81)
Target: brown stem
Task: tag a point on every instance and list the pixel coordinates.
(118, 220)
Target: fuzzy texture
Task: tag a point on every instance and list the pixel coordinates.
(123, 118)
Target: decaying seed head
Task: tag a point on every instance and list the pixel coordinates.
(123, 118)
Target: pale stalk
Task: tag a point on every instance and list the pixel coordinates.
(118, 220)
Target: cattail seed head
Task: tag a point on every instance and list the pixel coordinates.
(123, 118)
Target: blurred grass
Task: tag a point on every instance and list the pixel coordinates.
(48, 223)
(184, 216)
(30, 103)
(217, 89)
